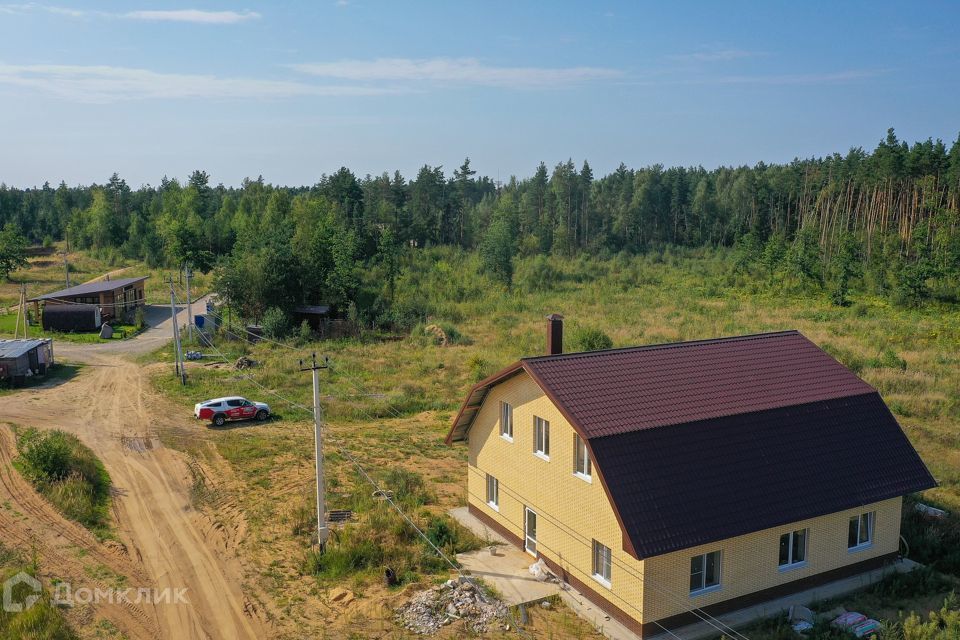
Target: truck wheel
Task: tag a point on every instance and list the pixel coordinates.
(262, 415)
(219, 420)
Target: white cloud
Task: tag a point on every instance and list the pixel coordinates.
(103, 84)
(465, 71)
(194, 15)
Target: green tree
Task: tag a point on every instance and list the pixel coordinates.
(497, 250)
(13, 248)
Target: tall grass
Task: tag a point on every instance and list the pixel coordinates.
(68, 474)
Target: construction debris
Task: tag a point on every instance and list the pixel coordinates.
(243, 362)
(428, 611)
(439, 335)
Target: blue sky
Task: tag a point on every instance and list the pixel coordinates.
(291, 90)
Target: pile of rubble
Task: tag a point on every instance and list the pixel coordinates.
(459, 599)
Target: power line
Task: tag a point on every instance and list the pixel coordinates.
(697, 612)
(676, 597)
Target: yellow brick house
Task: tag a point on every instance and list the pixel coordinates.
(707, 475)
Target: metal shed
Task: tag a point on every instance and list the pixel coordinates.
(21, 359)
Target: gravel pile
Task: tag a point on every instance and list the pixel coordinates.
(438, 606)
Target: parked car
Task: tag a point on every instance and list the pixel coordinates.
(220, 410)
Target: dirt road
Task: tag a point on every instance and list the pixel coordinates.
(166, 543)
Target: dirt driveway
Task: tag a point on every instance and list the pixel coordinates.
(164, 541)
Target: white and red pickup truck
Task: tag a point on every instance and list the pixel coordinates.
(220, 410)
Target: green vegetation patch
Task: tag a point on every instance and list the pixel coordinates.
(68, 474)
(40, 621)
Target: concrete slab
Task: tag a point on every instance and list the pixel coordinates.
(507, 569)
(481, 530)
(743, 617)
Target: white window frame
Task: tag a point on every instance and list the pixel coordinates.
(871, 519)
(541, 438)
(791, 563)
(493, 493)
(506, 421)
(582, 466)
(705, 588)
(602, 564)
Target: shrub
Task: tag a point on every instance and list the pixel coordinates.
(276, 323)
(408, 487)
(305, 333)
(587, 339)
(68, 474)
(139, 321)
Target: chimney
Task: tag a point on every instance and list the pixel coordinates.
(554, 334)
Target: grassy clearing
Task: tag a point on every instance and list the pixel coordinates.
(894, 601)
(42, 621)
(45, 274)
(390, 400)
(8, 322)
(68, 474)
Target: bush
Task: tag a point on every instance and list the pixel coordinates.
(276, 323)
(408, 487)
(139, 321)
(305, 333)
(68, 474)
(586, 339)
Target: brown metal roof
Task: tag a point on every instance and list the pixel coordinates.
(710, 480)
(621, 390)
(90, 288)
(699, 441)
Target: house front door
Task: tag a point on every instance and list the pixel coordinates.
(530, 529)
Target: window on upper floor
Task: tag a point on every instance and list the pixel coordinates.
(493, 492)
(581, 459)
(705, 572)
(541, 437)
(793, 549)
(860, 532)
(602, 561)
(506, 421)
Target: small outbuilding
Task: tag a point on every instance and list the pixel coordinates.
(112, 298)
(316, 315)
(21, 359)
(71, 317)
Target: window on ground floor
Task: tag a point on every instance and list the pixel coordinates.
(493, 492)
(705, 571)
(793, 548)
(602, 561)
(860, 533)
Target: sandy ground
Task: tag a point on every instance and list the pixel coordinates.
(164, 542)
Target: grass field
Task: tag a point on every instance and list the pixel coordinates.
(45, 274)
(389, 401)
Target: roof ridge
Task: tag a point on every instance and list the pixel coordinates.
(684, 423)
(667, 345)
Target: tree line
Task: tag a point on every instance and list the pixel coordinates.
(886, 219)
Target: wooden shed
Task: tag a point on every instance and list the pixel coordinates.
(114, 299)
(21, 359)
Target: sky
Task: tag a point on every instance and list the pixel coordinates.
(293, 90)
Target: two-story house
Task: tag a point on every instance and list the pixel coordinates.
(713, 474)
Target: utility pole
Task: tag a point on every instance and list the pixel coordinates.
(66, 268)
(177, 354)
(21, 314)
(322, 531)
(189, 306)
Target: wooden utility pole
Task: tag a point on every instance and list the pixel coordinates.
(189, 305)
(66, 268)
(22, 314)
(322, 531)
(177, 353)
